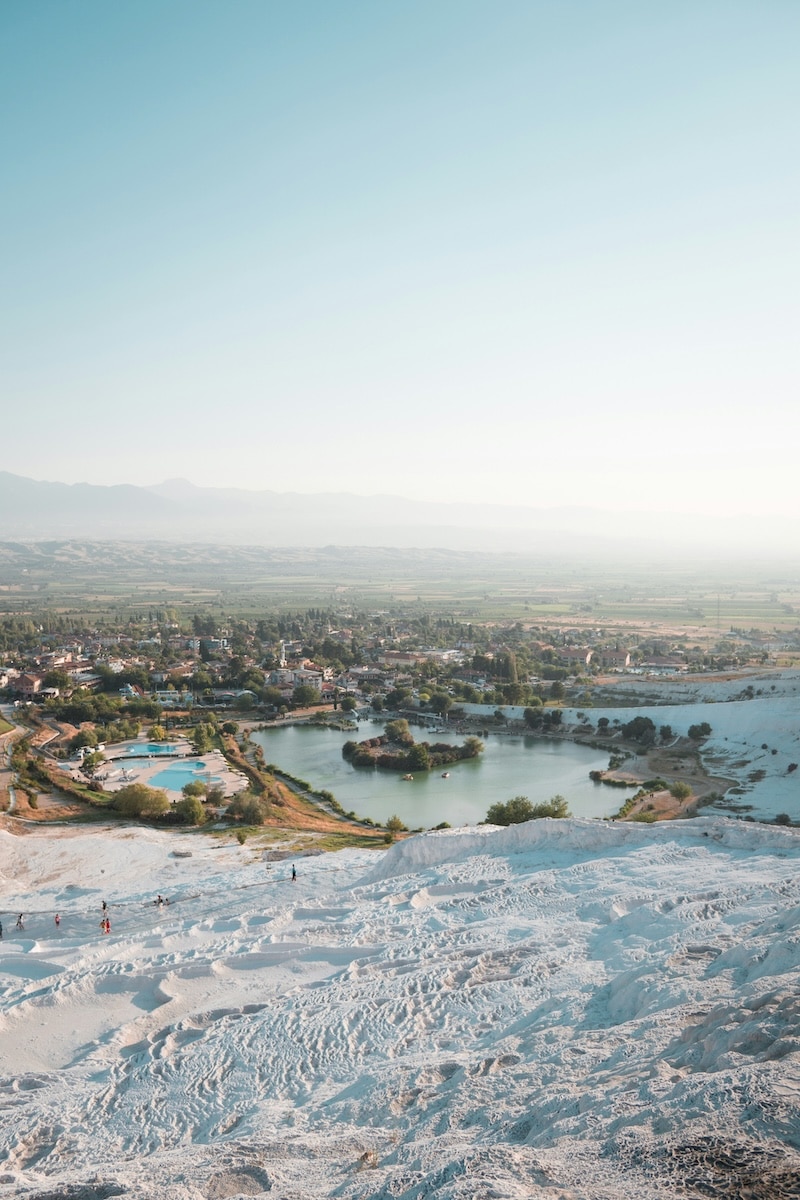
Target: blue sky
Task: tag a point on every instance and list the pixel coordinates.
(524, 252)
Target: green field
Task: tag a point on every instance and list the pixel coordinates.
(110, 583)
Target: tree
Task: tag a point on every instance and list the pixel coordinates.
(441, 703)
(253, 810)
(56, 679)
(349, 704)
(91, 762)
(395, 825)
(138, 800)
(557, 691)
(305, 695)
(698, 732)
(665, 733)
(519, 810)
(641, 730)
(680, 790)
(195, 787)
(158, 733)
(419, 758)
(202, 737)
(86, 737)
(190, 810)
(513, 812)
(533, 717)
(398, 731)
(602, 725)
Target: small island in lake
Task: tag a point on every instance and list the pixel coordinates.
(396, 750)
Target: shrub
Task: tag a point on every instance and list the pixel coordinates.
(519, 810)
(783, 819)
(195, 787)
(138, 800)
(190, 811)
(395, 825)
(254, 810)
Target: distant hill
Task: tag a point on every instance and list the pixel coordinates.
(177, 510)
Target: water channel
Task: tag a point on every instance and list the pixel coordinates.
(510, 766)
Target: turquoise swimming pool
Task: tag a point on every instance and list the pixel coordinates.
(177, 775)
(149, 749)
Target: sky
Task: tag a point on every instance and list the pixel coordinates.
(521, 251)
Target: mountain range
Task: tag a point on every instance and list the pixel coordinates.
(178, 510)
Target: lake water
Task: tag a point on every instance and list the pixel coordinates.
(510, 766)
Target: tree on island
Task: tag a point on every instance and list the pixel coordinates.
(399, 732)
(396, 750)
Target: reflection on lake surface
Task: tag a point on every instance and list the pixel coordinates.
(510, 766)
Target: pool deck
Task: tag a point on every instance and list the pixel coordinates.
(127, 768)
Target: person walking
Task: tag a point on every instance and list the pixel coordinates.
(20, 922)
(1, 931)
(294, 874)
(58, 920)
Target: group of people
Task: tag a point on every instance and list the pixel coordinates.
(105, 923)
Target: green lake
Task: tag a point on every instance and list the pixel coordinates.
(535, 767)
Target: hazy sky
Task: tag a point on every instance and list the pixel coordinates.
(512, 250)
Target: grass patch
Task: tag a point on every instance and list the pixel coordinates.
(348, 841)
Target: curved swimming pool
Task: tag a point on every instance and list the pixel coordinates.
(177, 775)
